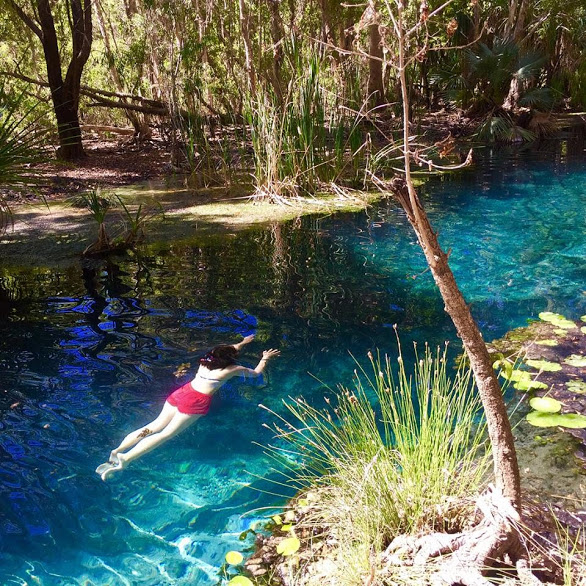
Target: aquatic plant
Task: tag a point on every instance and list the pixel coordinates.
(557, 320)
(396, 454)
(547, 414)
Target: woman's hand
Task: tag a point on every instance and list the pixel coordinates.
(268, 354)
(247, 339)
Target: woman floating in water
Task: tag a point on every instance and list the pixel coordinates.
(185, 405)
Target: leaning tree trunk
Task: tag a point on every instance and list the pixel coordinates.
(506, 469)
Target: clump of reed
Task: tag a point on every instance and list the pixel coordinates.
(397, 454)
(304, 139)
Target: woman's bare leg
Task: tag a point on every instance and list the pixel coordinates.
(178, 423)
(165, 416)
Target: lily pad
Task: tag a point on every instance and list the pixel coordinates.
(529, 385)
(557, 320)
(545, 405)
(547, 342)
(286, 527)
(576, 360)
(583, 329)
(560, 332)
(544, 365)
(520, 376)
(571, 420)
(288, 546)
(583, 318)
(240, 581)
(576, 386)
(234, 558)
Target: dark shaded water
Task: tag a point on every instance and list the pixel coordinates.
(88, 353)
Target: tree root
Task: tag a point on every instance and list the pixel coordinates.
(471, 556)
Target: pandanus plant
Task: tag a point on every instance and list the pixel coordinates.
(98, 205)
(20, 147)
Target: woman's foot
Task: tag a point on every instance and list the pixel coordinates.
(108, 472)
(114, 457)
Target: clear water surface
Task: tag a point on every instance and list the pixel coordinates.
(89, 352)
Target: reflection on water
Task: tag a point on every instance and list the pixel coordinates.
(89, 353)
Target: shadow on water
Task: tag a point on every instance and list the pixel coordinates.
(89, 352)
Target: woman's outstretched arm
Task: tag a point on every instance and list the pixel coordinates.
(246, 340)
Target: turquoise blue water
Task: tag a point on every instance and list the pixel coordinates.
(88, 353)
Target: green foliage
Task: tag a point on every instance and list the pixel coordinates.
(570, 420)
(21, 142)
(306, 139)
(545, 365)
(557, 320)
(396, 454)
(545, 404)
(288, 546)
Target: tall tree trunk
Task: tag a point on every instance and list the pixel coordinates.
(64, 92)
(277, 37)
(506, 469)
(245, 31)
(141, 127)
(375, 87)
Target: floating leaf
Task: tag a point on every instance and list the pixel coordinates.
(576, 386)
(529, 385)
(560, 332)
(583, 330)
(583, 318)
(240, 581)
(576, 360)
(557, 320)
(520, 376)
(277, 520)
(547, 342)
(288, 546)
(234, 558)
(286, 527)
(544, 365)
(545, 405)
(506, 368)
(571, 420)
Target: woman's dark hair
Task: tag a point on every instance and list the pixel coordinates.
(219, 357)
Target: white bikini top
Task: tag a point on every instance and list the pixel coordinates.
(214, 383)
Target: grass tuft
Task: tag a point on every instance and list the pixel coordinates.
(397, 454)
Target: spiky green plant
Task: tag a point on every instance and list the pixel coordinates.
(397, 454)
(98, 204)
(20, 147)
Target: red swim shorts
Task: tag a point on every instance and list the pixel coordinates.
(189, 401)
